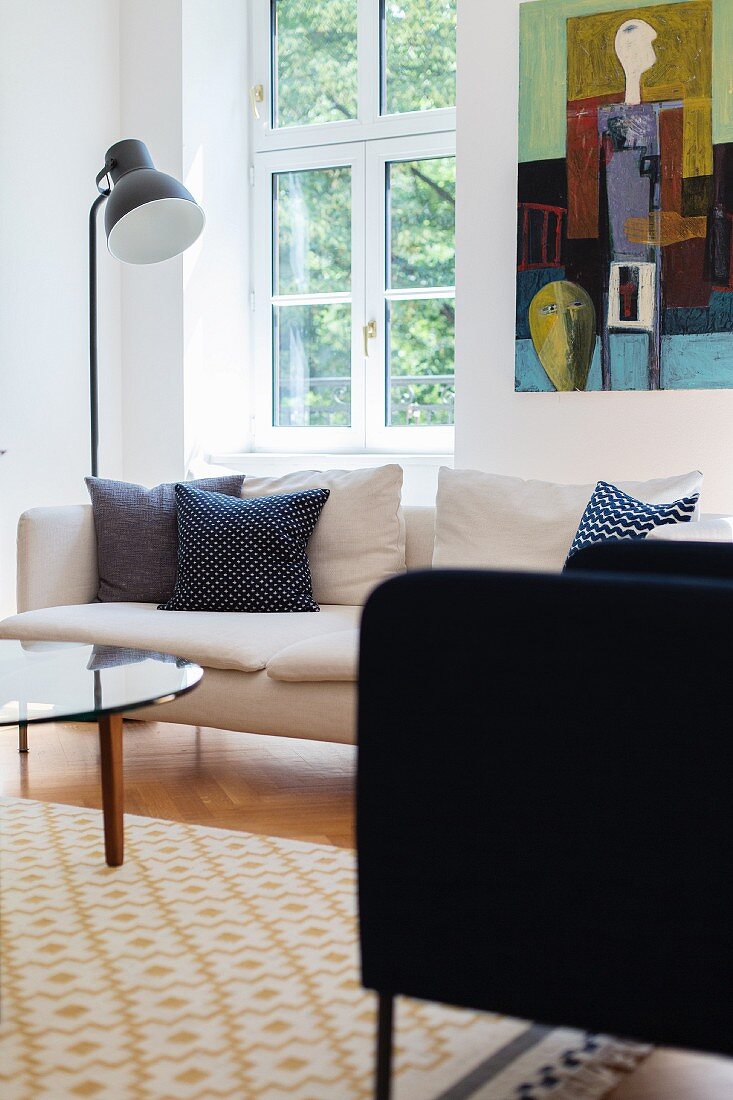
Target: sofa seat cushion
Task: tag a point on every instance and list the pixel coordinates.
(236, 640)
(327, 657)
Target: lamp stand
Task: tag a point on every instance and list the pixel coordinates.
(93, 370)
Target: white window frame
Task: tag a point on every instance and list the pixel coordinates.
(366, 144)
(267, 436)
(380, 436)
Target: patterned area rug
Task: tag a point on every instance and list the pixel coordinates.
(217, 964)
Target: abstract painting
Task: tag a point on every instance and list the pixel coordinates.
(625, 201)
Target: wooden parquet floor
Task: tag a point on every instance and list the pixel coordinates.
(278, 786)
(274, 785)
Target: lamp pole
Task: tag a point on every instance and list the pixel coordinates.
(93, 355)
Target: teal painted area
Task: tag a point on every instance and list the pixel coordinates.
(685, 321)
(700, 362)
(543, 70)
(629, 361)
(628, 365)
(530, 375)
(594, 374)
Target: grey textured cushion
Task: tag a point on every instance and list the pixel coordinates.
(137, 536)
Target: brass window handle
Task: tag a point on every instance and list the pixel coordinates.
(370, 333)
(256, 95)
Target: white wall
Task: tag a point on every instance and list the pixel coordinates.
(152, 297)
(568, 437)
(216, 268)
(183, 81)
(59, 112)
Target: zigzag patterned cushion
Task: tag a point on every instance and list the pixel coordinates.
(244, 555)
(612, 515)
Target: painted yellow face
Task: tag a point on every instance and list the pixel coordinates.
(562, 322)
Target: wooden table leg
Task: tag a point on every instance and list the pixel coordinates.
(110, 745)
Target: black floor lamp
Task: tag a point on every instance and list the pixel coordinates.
(150, 217)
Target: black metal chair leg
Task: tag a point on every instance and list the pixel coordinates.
(22, 737)
(383, 1087)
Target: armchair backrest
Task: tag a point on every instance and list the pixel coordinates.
(674, 558)
(545, 799)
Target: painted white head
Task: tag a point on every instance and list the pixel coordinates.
(635, 51)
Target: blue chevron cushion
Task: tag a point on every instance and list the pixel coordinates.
(612, 514)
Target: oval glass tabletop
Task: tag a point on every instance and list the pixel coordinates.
(46, 681)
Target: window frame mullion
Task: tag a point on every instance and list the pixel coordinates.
(368, 24)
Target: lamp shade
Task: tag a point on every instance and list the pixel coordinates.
(150, 216)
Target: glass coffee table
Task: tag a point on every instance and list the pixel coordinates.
(51, 681)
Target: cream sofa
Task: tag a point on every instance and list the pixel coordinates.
(286, 674)
(295, 674)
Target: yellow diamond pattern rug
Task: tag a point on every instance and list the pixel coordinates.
(218, 964)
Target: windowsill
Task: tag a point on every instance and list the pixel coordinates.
(301, 460)
(421, 470)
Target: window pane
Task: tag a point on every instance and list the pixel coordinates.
(314, 61)
(421, 362)
(422, 223)
(312, 346)
(419, 55)
(312, 226)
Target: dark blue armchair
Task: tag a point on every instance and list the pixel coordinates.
(545, 800)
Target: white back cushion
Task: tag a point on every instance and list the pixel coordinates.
(359, 540)
(419, 536)
(709, 529)
(495, 522)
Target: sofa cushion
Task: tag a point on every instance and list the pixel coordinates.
(255, 703)
(327, 657)
(360, 537)
(613, 516)
(494, 522)
(244, 555)
(709, 529)
(419, 537)
(137, 536)
(236, 641)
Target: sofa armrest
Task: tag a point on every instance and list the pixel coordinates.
(57, 557)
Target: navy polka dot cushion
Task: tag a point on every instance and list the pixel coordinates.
(244, 555)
